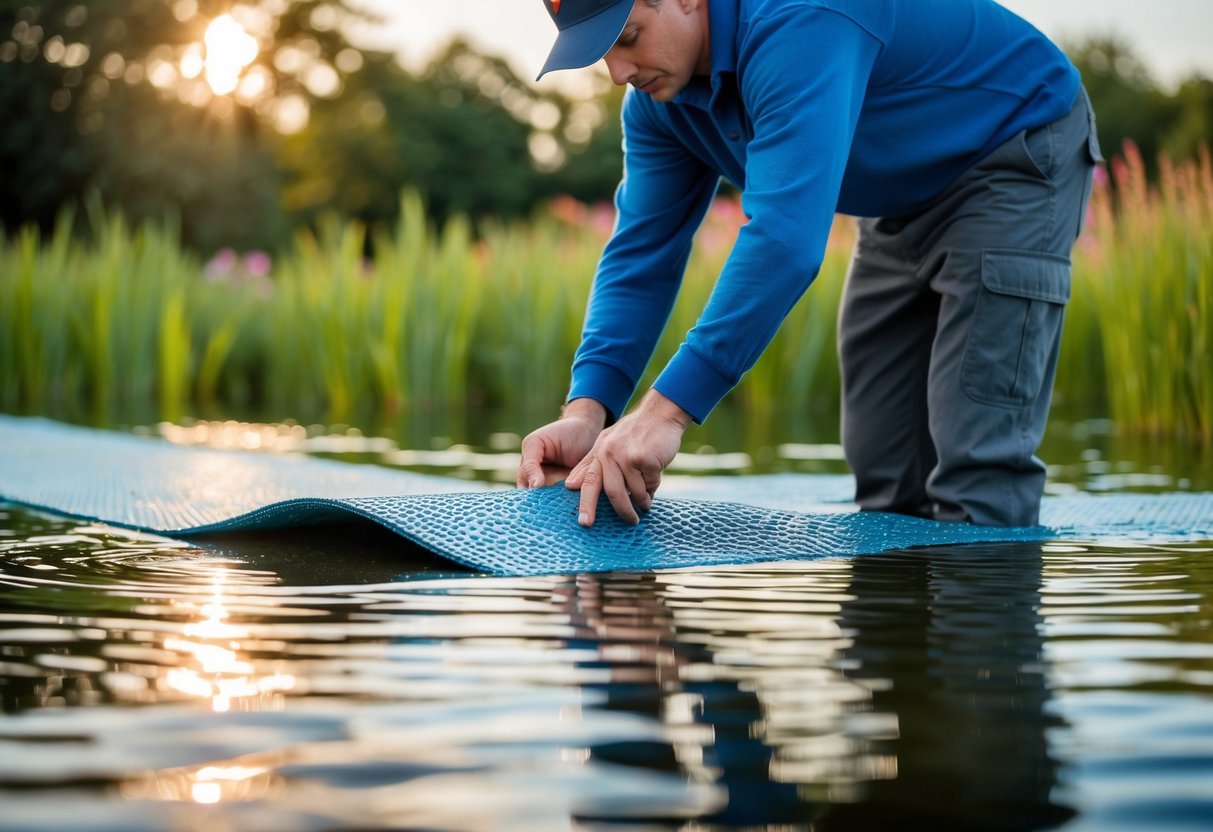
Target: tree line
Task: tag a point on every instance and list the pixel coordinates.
(110, 100)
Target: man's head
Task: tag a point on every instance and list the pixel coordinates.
(656, 46)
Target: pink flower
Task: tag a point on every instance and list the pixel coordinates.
(257, 263)
(568, 210)
(602, 217)
(221, 264)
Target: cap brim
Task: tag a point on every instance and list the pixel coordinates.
(586, 42)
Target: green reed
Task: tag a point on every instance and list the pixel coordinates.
(1139, 339)
(395, 330)
(80, 321)
(120, 317)
(440, 318)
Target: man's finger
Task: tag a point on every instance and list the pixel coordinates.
(638, 487)
(553, 473)
(652, 481)
(530, 474)
(523, 478)
(591, 487)
(530, 467)
(575, 477)
(616, 488)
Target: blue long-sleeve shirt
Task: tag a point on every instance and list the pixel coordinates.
(864, 107)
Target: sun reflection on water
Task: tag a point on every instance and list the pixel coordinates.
(221, 674)
(205, 785)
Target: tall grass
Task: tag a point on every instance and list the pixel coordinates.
(122, 316)
(1139, 337)
(81, 321)
(396, 330)
(441, 318)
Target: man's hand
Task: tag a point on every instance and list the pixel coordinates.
(627, 459)
(549, 453)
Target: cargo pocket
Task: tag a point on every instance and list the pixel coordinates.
(1016, 324)
(1037, 146)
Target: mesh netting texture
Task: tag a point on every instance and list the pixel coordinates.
(152, 485)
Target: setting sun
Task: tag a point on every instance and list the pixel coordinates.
(229, 49)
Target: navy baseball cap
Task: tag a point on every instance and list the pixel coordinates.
(587, 31)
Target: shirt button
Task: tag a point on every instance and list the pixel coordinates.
(733, 136)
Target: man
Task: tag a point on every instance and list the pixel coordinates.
(959, 135)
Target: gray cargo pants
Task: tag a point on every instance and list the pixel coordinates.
(949, 332)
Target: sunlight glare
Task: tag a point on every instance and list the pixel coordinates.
(229, 49)
(192, 63)
(255, 84)
(207, 792)
(219, 674)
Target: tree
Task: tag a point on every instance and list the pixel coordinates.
(1192, 125)
(447, 133)
(593, 164)
(122, 99)
(1129, 104)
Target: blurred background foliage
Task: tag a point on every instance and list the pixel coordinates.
(1131, 106)
(110, 98)
(233, 205)
(113, 99)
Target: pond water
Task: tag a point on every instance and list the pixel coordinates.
(318, 680)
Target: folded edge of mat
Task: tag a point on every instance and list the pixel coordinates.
(157, 487)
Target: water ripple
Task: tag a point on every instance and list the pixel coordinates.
(328, 682)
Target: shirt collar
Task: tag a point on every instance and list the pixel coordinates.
(722, 39)
(722, 20)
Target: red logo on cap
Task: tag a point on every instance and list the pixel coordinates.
(555, 6)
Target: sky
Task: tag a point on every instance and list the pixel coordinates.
(1172, 36)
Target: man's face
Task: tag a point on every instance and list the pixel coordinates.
(661, 48)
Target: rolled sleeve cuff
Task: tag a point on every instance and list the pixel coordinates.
(692, 383)
(603, 383)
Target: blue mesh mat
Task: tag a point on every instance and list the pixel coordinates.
(152, 485)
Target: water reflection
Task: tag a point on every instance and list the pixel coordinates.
(217, 671)
(205, 785)
(844, 693)
(157, 686)
(950, 642)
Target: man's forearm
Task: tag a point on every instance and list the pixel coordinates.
(588, 410)
(656, 405)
